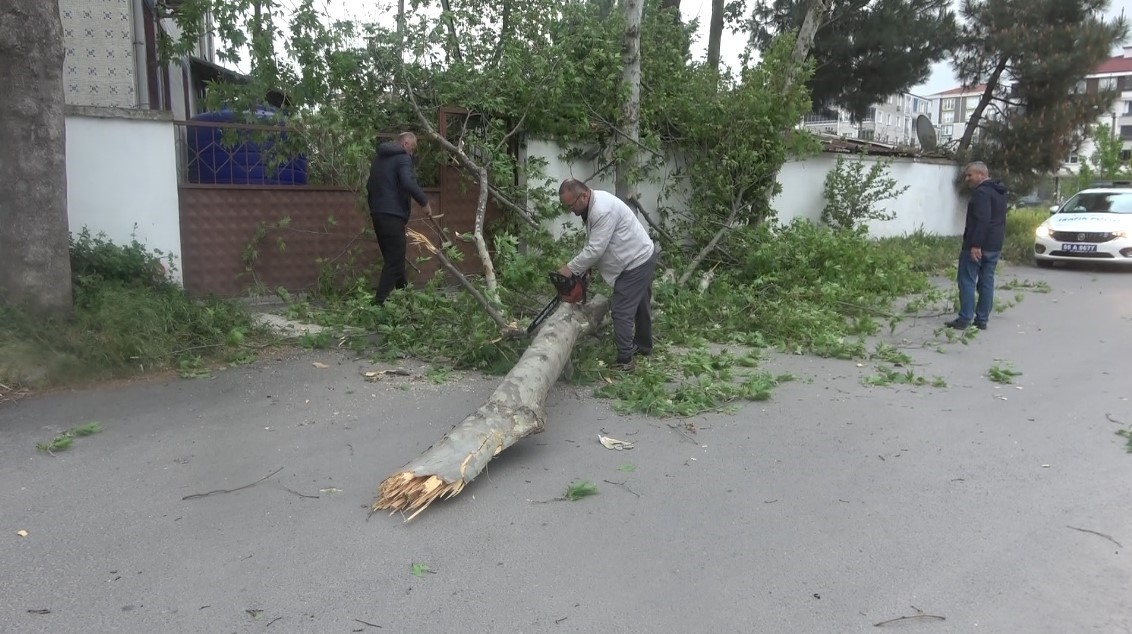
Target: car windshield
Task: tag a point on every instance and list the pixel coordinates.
(1092, 203)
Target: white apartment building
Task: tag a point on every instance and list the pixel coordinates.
(891, 121)
(952, 108)
(1113, 74)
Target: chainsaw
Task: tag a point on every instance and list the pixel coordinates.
(571, 290)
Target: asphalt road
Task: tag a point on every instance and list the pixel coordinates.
(831, 508)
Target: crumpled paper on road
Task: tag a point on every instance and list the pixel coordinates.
(613, 443)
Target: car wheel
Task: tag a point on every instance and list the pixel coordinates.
(1044, 264)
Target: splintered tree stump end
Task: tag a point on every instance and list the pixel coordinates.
(512, 412)
(406, 492)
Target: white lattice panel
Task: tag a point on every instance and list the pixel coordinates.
(99, 67)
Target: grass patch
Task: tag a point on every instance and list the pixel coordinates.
(128, 318)
(927, 253)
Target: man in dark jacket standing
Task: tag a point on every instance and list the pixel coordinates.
(388, 189)
(982, 243)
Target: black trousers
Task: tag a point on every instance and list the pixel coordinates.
(390, 232)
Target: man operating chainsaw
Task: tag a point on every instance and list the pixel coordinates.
(620, 247)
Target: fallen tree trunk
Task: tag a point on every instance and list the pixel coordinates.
(513, 411)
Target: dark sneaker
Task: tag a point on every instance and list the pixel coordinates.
(957, 324)
(981, 325)
(623, 365)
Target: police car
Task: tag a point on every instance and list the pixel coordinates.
(1095, 225)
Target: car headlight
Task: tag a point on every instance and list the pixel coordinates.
(1043, 232)
(1119, 234)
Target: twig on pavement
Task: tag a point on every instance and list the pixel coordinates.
(246, 486)
(920, 615)
(1108, 537)
(312, 497)
(622, 485)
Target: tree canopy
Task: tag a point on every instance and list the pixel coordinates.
(1042, 50)
(866, 50)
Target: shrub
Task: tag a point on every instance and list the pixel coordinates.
(95, 260)
(852, 194)
(1020, 226)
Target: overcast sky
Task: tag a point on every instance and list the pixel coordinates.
(731, 46)
(942, 77)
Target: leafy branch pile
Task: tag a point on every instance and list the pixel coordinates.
(553, 70)
(64, 440)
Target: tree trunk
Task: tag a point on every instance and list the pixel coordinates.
(977, 115)
(450, 23)
(715, 34)
(35, 265)
(630, 124)
(513, 411)
(805, 41)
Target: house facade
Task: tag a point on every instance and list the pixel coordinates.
(111, 58)
(120, 107)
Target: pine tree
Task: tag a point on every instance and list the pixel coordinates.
(865, 51)
(1033, 56)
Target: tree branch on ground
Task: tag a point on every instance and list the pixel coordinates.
(508, 329)
(710, 246)
(492, 299)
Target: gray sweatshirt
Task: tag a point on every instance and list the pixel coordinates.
(617, 240)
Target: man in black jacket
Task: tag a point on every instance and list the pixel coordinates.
(390, 184)
(982, 243)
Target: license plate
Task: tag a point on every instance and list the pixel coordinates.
(1079, 248)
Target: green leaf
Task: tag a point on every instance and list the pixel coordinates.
(579, 490)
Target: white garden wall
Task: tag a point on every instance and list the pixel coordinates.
(122, 171)
(931, 203)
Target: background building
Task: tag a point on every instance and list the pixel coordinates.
(891, 121)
